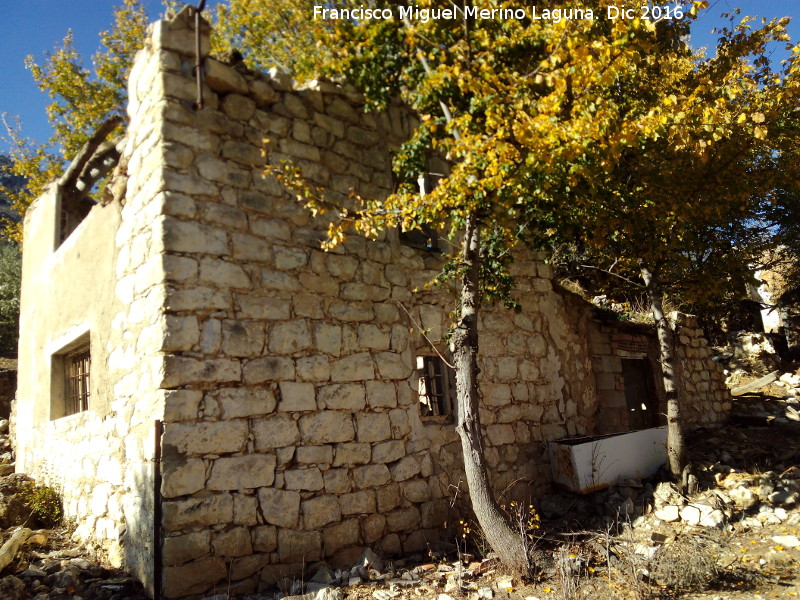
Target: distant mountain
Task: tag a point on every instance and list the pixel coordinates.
(8, 181)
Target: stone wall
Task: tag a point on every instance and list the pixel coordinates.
(707, 399)
(292, 422)
(701, 380)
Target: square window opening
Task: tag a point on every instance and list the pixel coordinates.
(424, 238)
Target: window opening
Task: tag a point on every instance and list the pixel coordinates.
(435, 387)
(96, 158)
(425, 237)
(77, 386)
(70, 378)
(640, 395)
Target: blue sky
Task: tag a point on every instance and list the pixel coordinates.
(36, 26)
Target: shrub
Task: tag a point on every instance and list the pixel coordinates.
(45, 504)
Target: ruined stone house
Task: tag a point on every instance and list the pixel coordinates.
(220, 400)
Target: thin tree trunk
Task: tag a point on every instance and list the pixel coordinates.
(504, 540)
(676, 445)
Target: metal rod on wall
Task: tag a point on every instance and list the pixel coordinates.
(198, 64)
(157, 550)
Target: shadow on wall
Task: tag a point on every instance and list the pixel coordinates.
(141, 511)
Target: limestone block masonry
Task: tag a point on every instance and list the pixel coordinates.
(284, 376)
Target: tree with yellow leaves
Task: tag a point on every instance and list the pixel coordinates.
(82, 100)
(687, 208)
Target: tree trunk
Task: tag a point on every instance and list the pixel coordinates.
(676, 445)
(502, 537)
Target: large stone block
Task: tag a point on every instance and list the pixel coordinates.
(356, 367)
(373, 427)
(320, 511)
(328, 338)
(263, 306)
(347, 312)
(352, 454)
(263, 93)
(207, 437)
(403, 519)
(314, 455)
(238, 107)
(194, 577)
(245, 509)
(406, 468)
(242, 338)
(222, 78)
(340, 535)
(223, 273)
(289, 337)
(327, 428)
(370, 336)
(313, 368)
(294, 546)
(337, 481)
(398, 419)
(269, 368)
(182, 477)
(343, 396)
(220, 171)
(371, 476)
(386, 452)
(394, 366)
(183, 548)
(194, 297)
(247, 565)
(309, 479)
(435, 513)
(296, 396)
(181, 405)
(182, 370)
(361, 502)
(279, 507)
(416, 490)
(322, 285)
(281, 280)
(276, 431)
(287, 258)
(242, 472)
(244, 402)
(265, 538)
(381, 394)
(234, 542)
(373, 528)
(197, 512)
(251, 248)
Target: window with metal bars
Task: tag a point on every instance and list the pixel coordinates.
(435, 388)
(78, 368)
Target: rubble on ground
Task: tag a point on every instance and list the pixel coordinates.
(45, 564)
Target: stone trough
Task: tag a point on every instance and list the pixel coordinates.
(588, 464)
